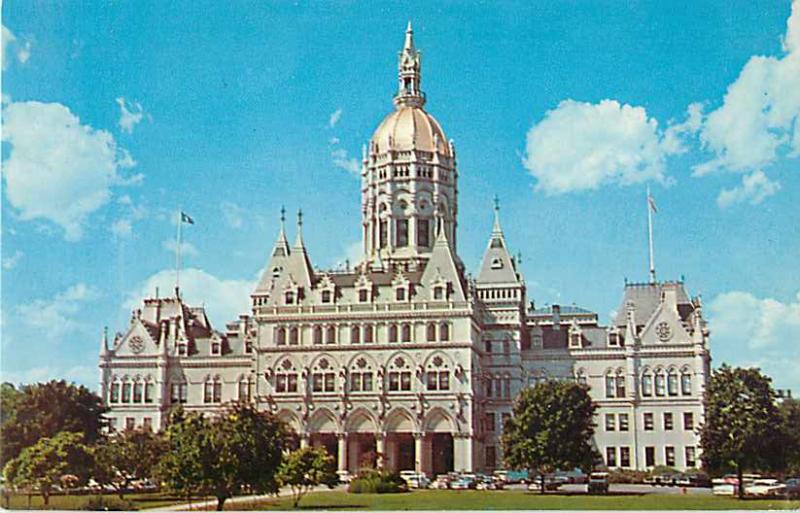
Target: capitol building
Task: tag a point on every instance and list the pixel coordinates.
(404, 354)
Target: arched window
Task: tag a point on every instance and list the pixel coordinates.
(620, 391)
(330, 336)
(246, 386)
(660, 383)
(368, 334)
(115, 390)
(399, 375)
(149, 391)
(672, 382)
(430, 332)
(686, 382)
(355, 334)
(323, 377)
(212, 390)
(178, 392)
(318, 334)
(437, 374)
(611, 385)
(127, 388)
(406, 333)
(392, 333)
(294, 336)
(444, 332)
(286, 377)
(361, 376)
(647, 384)
(280, 336)
(580, 377)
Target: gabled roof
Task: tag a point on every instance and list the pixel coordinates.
(646, 298)
(497, 266)
(442, 266)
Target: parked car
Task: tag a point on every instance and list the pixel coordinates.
(550, 483)
(442, 482)
(764, 488)
(415, 479)
(792, 490)
(512, 476)
(597, 483)
(463, 483)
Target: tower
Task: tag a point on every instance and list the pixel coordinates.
(409, 177)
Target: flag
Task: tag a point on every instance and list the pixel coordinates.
(185, 218)
(652, 203)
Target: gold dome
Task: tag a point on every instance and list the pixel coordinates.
(410, 128)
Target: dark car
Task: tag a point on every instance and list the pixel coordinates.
(597, 483)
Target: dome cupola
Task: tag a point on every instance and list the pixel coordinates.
(409, 175)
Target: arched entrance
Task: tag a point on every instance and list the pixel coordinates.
(323, 430)
(361, 443)
(439, 428)
(400, 453)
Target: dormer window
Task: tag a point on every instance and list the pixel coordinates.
(183, 349)
(326, 296)
(438, 292)
(248, 347)
(497, 263)
(289, 297)
(614, 339)
(575, 340)
(363, 296)
(400, 294)
(216, 348)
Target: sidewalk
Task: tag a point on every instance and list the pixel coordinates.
(243, 499)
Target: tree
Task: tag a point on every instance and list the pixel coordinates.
(45, 409)
(126, 457)
(742, 428)
(306, 468)
(43, 464)
(551, 428)
(219, 456)
(790, 411)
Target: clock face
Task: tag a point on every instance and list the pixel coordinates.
(663, 331)
(136, 344)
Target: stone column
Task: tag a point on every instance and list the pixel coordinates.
(418, 446)
(462, 452)
(342, 437)
(380, 448)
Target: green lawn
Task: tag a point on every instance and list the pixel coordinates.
(62, 502)
(497, 500)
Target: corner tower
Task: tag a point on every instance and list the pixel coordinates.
(409, 177)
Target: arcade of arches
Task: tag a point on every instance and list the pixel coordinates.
(398, 443)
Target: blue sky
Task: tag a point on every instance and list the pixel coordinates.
(116, 113)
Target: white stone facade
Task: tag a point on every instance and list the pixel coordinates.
(403, 355)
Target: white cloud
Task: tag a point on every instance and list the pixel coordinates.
(130, 114)
(747, 330)
(12, 261)
(232, 213)
(351, 255)
(187, 248)
(54, 318)
(333, 141)
(755, 188)
(581, 146)
(54, 156)
(122, 228)
(24, 52)
(342, 160)
(225, 299)
(334, 118)
(9, 40)
(759, 119)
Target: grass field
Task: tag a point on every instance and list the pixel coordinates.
(62, 502)
(498, 500)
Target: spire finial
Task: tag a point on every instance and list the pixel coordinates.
(496, 230)
(283, 215)
(496, 203)
(300, 218)
(409, 93)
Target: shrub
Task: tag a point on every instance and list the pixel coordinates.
(106, 504)
(626, 476)
(373, 481)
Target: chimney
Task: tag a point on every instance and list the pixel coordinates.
(669, 296)
(556, 317)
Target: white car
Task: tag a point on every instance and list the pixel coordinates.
(415, 479)
(764, 488)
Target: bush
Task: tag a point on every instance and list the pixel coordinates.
(626, 476)
(372, 481)
(106, 504)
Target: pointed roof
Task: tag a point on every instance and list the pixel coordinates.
(443, 266)
(408, 46)
(299, 265)
(497, 266)
(104, 343)
(278, 260)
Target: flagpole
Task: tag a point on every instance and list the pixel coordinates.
(178, 256)
(650, 236)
